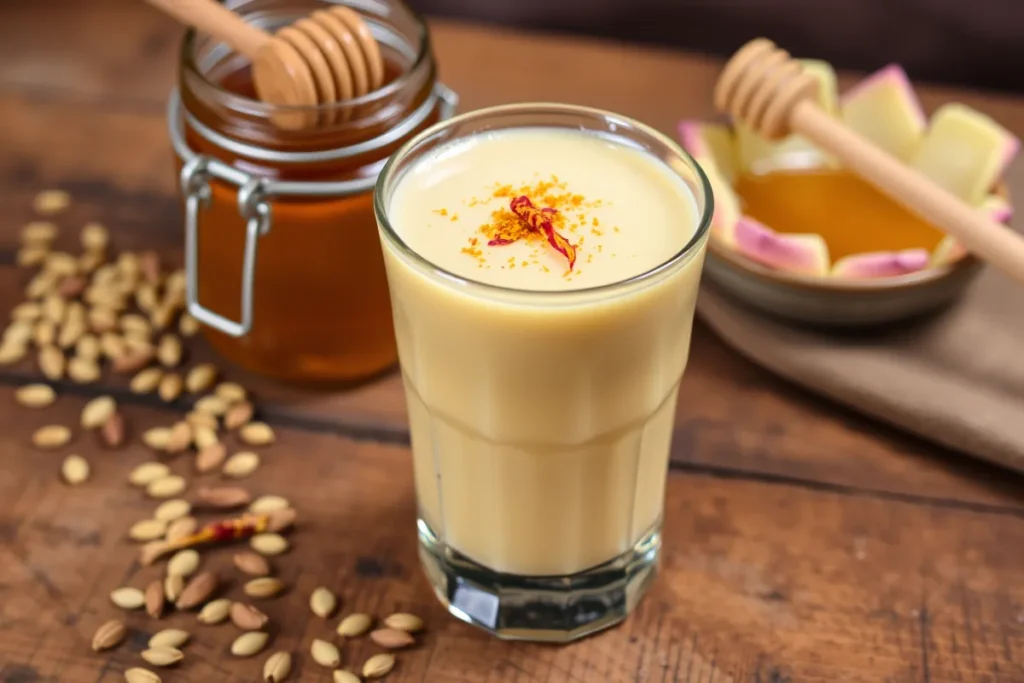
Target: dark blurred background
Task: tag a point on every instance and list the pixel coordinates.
(977, 43)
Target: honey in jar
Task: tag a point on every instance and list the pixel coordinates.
(850, 215)
(281, 243)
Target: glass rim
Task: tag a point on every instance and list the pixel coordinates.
(423, 53)
(424, 264)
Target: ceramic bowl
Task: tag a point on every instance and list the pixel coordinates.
(837, 303)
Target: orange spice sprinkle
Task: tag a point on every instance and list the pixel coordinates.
(441, 212)
(507, 224)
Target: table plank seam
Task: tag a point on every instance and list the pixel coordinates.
(845, 490)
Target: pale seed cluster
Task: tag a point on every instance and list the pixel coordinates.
(87, 312)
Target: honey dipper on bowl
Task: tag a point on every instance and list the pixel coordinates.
(765, 88)
(328, 57)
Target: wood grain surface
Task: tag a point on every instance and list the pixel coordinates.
(803, 543)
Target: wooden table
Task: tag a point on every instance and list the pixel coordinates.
(803, 543)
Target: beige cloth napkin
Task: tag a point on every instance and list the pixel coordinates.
(956, 378)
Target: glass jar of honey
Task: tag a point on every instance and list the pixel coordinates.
(281, 248)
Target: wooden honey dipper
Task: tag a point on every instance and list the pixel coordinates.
(768, 90)
(330, 56)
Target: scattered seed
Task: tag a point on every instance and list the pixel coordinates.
(51, 362)
(277, 667)
(200, 378)
(44, 333)
(140, 675)
(32, 255)
(251, 563)
(97, 411)
(173, 585)
(112, 431)
(238, 415)
(111, 345)
(171, 510)
(155, 600)
(248, 644)
(170, 387)
(279, 520)
(269, 544)
(72, 329)
(27, 311)
(241, 464)
(147, 473)
(13, 353)
(83, 370)
(378, 666)
(35, 395)
(215, 612)
(133, 359)
(51, 436)
(198, 590)
(168, 352)
(108, 636)
(211, 405)
(355, 625)
(224, 496)
(257, 434)
(247, 617)
(146, 297)
(94, 237)
(60, 264)
(205, 437)
(200, 419)
(230, 392)
(133, 324)
(183, 563)
(322, 602)
(188, 325)
(166, 487)
(162, 656)
(147, 530)
(54, 308)
(179, 528)
(49, 202)
(75, 469)
(403, 621)
(325, 654)
(41, 285)
(157, 438)
(128, 597)
(169, 637)
(211, 457)
(391, 638)
(163, 314)
(19, 333)
(88, 347)
(38, 231)
(146, 381)
(345, 676)
(263, 587)
(91, 260)
(180, 437)
(265, 504)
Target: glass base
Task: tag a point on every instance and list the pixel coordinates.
(554, 609)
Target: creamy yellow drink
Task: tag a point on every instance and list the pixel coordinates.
(543, 282)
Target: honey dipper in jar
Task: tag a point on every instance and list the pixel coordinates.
(330, 56)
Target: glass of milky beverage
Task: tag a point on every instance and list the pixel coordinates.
(543, 263)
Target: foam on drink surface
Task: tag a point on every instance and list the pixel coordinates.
(624, 211)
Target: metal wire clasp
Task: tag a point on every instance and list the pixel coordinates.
(254, 208)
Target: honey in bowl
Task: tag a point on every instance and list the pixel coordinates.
(850, 215)
(787, 206)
